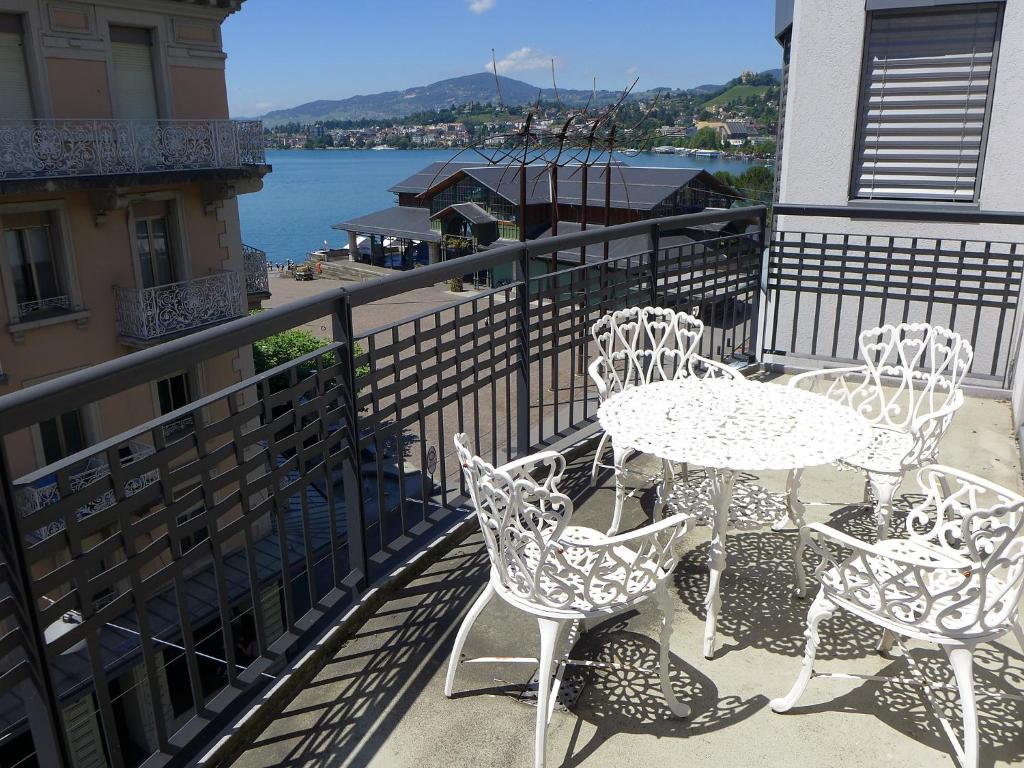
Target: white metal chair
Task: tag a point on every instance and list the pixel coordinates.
(637, 346)
(559, 573)
(909, 388)
(956, 580)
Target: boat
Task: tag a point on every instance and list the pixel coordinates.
(664, 150)
(630, 152)
(707, 153)
(381, 147)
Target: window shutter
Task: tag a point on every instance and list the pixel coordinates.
(15, 93)
(134, 86)
(924, 103)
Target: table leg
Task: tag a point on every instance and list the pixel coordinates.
(795, 508)
(721, 498)
(664, 490)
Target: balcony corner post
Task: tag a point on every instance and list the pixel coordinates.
(344, 334)
(42, 704)
(763, 241)
(522, 277)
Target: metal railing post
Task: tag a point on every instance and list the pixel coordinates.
(42, 704)
(351, 474)
(523, 368)
(655, 239)
(755, 310)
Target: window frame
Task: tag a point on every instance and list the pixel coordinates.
(855, 162)
(158, 26)
(63, 255)
(35, 62)
(177, 234)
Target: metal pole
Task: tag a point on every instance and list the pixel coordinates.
(655, 237)
(523, 367)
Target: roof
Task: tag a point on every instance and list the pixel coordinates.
(738, 127)
(399, 221)
(638, 188)
(431, 176)
(472, 212)
(617, 249)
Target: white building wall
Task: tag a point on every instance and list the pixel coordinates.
(820, 130)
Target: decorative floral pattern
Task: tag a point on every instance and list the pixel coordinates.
(149, 313)
(65, 148)
(256, 278)
(740, 425)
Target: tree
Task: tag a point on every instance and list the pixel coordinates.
(281, 348)
(705, 138)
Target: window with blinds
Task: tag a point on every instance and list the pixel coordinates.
(15, 93)
(928, 77)
(134, 84)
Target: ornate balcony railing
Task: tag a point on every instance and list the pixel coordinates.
(257, 281)
(42, 306)
(47, 149)
(44, 493)
(150, 313)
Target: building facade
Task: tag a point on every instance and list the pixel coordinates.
(119, 230)
(898, 197)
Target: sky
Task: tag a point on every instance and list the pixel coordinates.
(282, 53)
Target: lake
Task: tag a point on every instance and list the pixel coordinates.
(310, 190)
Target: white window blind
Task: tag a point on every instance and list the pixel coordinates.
(15, 93)
(134, 86)
(924, 103)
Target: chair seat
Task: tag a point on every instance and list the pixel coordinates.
(931, 604)
(579, 586)
(885, 453)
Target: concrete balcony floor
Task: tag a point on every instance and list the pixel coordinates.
(380, 700)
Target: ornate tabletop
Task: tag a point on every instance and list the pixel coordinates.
(738, 425)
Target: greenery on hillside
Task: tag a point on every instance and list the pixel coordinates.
(755, 184)
(737, 95)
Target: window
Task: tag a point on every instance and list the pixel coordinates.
(134, 85)
(153, 246)
(926, 90)
(35, 271)
(15, 93)
(62, 436)
(173, 393)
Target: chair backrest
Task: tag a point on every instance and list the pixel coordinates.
(914, 369)
(982, 523)
(518, 517)
(640, 345)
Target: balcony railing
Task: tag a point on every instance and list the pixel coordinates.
(145, 314)
(52, 149)
(41, 493)
(257, 280)
(291, 491)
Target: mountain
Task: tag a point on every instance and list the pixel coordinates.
(445, 93)
(449, 93)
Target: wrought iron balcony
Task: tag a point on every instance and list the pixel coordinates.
(292, 491)
(53, 149)
(148, 314)
(45, 491)
(257, 281)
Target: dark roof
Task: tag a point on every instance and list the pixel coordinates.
(738, 128)
(400, 221)
(635, 187)
(430, 176)
(617, 249)
(472, 212)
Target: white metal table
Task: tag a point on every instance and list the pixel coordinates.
(727, 427)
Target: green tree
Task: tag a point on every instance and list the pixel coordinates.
(281, 348)
(705, 138)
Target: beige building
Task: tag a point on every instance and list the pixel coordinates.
(118, 175)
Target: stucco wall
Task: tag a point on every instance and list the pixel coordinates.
(820, 132)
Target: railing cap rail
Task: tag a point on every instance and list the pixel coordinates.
(28, 406)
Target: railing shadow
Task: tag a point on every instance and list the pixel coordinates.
(345, 718)
(618, 701)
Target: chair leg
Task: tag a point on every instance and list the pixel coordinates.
(620, 455)
(821, 608)
(665, 608)
(595, 468)
(883, 489)
(961, 658)
(549, 631)
(885, 642)
(460, 638)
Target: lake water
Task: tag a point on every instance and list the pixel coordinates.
(310, 190)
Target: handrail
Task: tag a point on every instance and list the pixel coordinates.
(905, 212)
(28, 406)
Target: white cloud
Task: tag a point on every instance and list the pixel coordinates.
(480, 6)
(521, 60)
